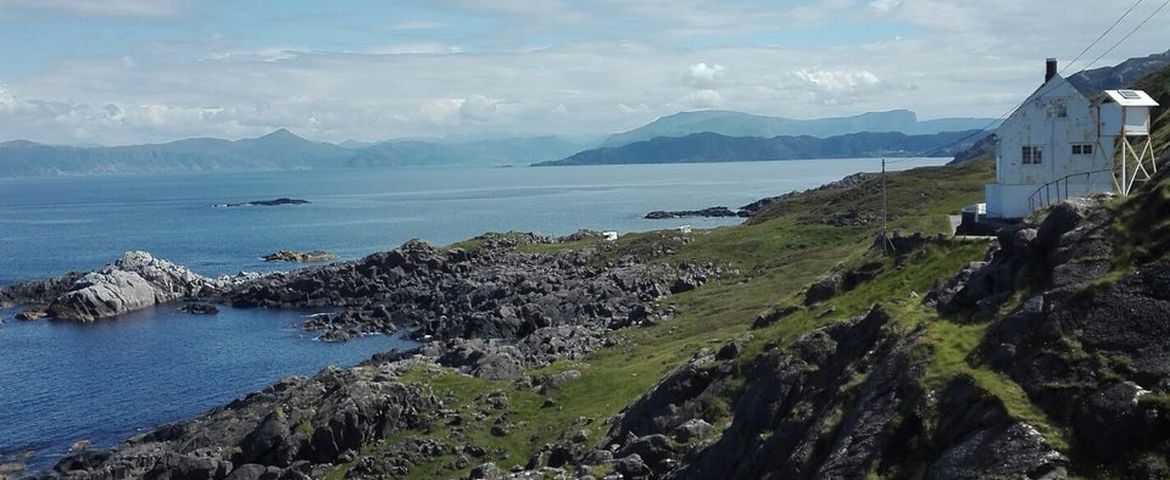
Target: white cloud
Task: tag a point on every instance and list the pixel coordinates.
(478, 108)
(704, 75)
(442, 111)
(837, 81)
(699, 99)
(428, 48)
(128, 8)
(638, 108)
(882, 7)
(636, 60)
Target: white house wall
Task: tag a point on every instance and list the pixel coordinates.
(1037, 123)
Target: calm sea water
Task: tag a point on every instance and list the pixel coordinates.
(61, 382)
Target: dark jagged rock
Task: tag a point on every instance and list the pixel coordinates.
(300, 257)
(822, 290)
(547, 306)
(199, 308)
(1086, 352)
(706, 212)
(276, 433)
(773, 316)
(38, 292)
(31, 315)
(845, 400)
(977, 438)
(265, 203)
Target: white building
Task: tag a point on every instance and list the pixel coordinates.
(1061, 142)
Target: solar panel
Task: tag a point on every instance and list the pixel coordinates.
(1129, 94)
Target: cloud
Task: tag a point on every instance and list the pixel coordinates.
(699, 99)
(123, 8)
(428, 48)
(442, 111)
(519, 67)
(478, 108)
(836, 81)
(704, 75)
(638, 108)
(275, 54)
(882, 7)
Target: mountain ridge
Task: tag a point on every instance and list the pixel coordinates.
(279, 150)
(740, 124)
(714, 147)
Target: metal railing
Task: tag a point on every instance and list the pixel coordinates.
(1052, 192)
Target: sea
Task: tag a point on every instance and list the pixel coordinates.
(104, 382)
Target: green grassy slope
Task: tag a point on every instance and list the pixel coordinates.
(778, 253)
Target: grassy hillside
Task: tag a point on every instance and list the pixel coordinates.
(778, 254)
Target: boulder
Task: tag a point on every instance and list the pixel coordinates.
(254, 471)
(822, 290)
(133, 282)
(31, 315)
(487, 471)
(199, 308)
(691, 430)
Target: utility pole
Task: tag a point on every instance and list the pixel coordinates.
(887, 244)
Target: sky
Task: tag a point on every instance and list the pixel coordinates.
(115, 72)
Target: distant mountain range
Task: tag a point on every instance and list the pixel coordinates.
(703, 136)
(714, 147)
(738, 124)
(279, 150)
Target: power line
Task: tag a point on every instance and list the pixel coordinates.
(1103, 34)
(1040, 92)
(1131, 32)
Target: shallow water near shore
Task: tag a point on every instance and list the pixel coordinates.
(109, 380)
(104, 382)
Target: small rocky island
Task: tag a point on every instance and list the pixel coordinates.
(706, 212)
(294, 256)
(265, 203)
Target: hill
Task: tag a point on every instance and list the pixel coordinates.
(279, 150)
(738, 124)
(713, 147)
(1122, 75)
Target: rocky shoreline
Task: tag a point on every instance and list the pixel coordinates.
(840, 401)
(490, 311)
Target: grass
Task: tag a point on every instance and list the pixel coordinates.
(778, 253)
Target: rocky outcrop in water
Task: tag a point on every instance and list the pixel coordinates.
(133, 282)
(265, 203)
(300, 257)
(706, 212)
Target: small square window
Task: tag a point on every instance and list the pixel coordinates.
(1076, 149)
(1031, 155)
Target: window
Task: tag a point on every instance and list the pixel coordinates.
(1082, 149)
(1032, 155)
(1057, 109)
(1129, 94)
